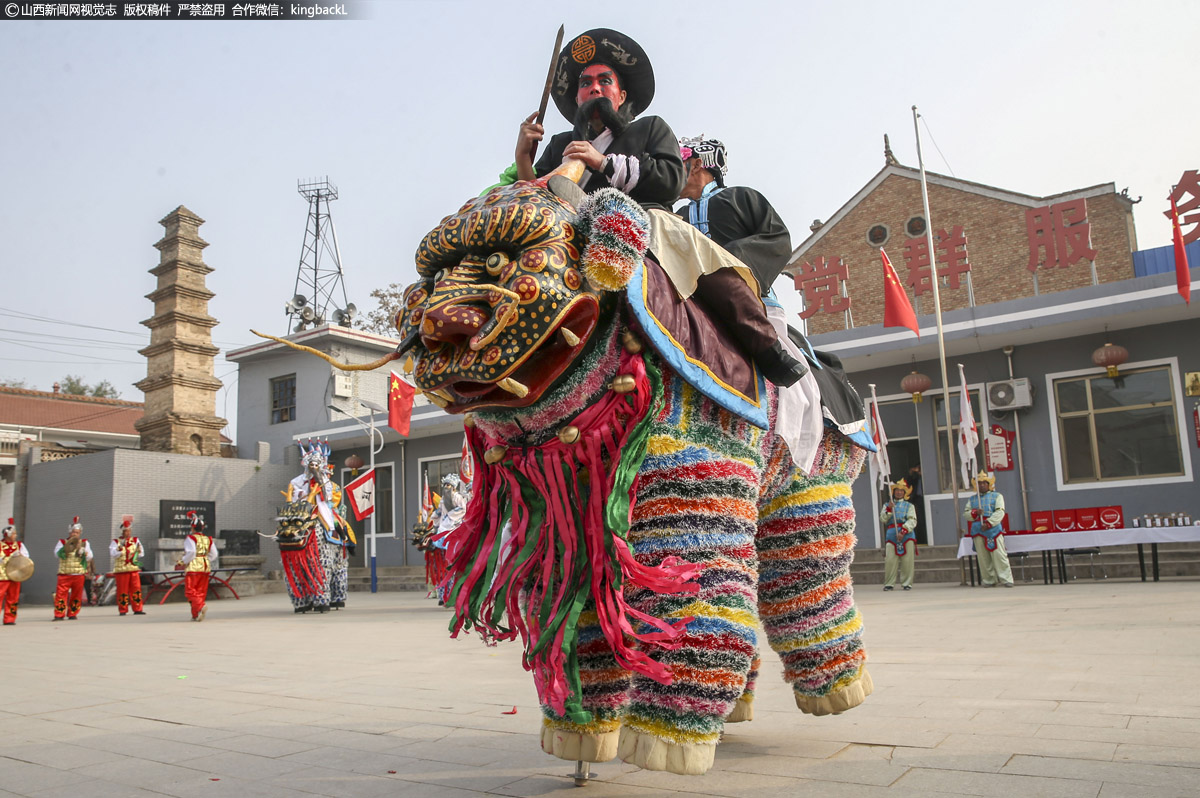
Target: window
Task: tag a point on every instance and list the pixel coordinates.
(384, 507)
(1118, 428)
(283, 399)
(939, 415)
(434, 470)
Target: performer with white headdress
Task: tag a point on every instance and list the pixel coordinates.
(127, 553)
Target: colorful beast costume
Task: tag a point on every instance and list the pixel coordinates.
(651, 527)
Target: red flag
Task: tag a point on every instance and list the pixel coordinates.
(400, 404)
(1183, 275)
(897, 310)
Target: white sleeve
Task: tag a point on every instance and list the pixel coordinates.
(87, 551)
(189, 550)
(141, 551)
(212, 555)
(57, 547)
(113, 548)
(24, 551)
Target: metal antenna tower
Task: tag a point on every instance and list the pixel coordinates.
(319, 275)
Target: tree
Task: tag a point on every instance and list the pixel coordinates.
(382, 320)
(12, 382)
(75, 386)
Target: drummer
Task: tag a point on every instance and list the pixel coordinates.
(10, 587)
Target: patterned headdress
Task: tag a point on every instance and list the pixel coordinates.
(603, 46)
(904, 486)
(75, 526)
(712, 154)
(8, 530)
(197, 520)
(984, 476)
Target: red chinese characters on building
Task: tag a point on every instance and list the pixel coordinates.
(951, 258)
(1059, 234)
(1187, 200)
(820, 283)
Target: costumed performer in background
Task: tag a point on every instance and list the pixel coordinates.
(10, 589)
(900, 544)
(984, 515)
(74, 556)
(199, 560)
(127, 553)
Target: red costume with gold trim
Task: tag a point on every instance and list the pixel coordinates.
(127, 553)
(200, 557)
(73, 561)
(10, 591)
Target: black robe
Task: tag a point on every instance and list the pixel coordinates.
(742, 221)
(652, 142)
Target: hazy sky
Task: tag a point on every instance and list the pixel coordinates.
(111, 125)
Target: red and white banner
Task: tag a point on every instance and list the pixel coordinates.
(362, 495)
(997, 448)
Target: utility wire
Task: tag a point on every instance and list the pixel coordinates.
(936, 147)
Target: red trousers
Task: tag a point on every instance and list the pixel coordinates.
(196, 587)
(68, 596)
(129, 591)
(10, 593)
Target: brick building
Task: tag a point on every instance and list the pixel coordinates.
(997, 233)
(1053, 280)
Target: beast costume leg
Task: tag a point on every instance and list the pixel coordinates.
(805, 546)
(605, 687)
(328, 552)
(697, 500)
(339, 578)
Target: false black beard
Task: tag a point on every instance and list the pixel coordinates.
(616, 121)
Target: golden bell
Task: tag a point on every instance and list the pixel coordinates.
(631, 342)
(495, 454)
(624, 383)
(568, 435)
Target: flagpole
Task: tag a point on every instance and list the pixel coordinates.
(937, 311)
(876, 419)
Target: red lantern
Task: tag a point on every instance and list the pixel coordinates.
(916, 384)
(354, 462)
(1110, 356)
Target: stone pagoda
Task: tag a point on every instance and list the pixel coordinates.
(180, 385)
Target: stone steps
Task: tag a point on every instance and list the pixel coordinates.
(940, 564)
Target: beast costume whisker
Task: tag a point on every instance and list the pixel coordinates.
(374, 364)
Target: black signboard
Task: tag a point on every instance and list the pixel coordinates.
(239, 542)
(173, 521)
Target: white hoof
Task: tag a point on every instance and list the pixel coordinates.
(742, 711)
(654, 753)
(578, 746)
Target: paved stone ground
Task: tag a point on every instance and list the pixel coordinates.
(1092, 689)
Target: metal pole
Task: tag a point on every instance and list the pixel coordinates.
(937, 310)
(1008, 352)
(371, 517)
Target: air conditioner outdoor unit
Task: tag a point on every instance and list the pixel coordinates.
(1011, 394)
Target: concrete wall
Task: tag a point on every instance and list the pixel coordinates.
(1038, 427)
(404, 458)
(102, 487)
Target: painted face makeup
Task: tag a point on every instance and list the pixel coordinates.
(599, 80)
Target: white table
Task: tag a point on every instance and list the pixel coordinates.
(1058, 541)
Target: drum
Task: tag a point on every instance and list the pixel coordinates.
(19, 568)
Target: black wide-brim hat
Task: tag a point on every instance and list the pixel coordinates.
(609, 47)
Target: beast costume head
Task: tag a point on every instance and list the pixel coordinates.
(515, 273)
(610, 48)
